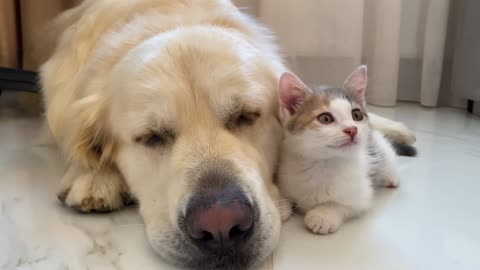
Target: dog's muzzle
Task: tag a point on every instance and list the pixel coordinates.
(221, 220)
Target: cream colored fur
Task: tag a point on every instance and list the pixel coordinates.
(114, 70)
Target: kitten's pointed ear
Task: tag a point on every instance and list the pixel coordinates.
(292, 92)
(357, 81)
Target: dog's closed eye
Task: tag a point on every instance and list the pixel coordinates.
(241, 118)
(156, 138)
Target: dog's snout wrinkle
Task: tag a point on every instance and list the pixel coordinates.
(214, 174)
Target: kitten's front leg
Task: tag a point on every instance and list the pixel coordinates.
(327, 218)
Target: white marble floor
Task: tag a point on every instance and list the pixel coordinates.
(431, 222)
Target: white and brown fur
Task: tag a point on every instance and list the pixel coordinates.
(326, 173)
(141, 95)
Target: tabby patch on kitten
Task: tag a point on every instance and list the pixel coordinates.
(331, 159)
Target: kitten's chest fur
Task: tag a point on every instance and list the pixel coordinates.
(310, 182)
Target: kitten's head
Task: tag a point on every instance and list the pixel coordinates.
(325, 122)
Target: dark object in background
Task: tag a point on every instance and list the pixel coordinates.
(18, 80)
(467, 56)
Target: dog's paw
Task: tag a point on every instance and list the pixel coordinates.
(396, 132)
(283, 205)
(400, 133)
(87, 191)
(323, 220)
(285, 209)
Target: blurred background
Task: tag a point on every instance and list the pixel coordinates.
(423, 51)
(416, 50)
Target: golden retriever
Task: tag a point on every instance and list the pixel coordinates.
(173, 103)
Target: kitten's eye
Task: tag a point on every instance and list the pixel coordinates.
(357, 115)
(242, 119)
(325, 118)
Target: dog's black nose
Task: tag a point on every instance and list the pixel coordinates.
(220, 219)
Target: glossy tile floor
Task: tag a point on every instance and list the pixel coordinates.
(431, 222)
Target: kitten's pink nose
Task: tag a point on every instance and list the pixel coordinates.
(351, 131)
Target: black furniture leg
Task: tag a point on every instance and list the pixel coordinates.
(470, 106)
(18, 80)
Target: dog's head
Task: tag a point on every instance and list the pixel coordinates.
(190, 120)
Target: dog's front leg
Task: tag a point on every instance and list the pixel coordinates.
(86, 190)
(284, 205)
(397, 132)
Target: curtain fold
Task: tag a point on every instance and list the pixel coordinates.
(402, 42)
(382, 49)
(9, 34)
(433, 51)
(19, 24)
(35, 13)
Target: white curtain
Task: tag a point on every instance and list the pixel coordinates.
(403, 42)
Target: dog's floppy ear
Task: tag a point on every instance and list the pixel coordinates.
(89, 139)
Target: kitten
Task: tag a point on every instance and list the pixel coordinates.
(331, 158)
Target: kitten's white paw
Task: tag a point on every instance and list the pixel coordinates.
(323, 220)
(392, 182)
(388, 178)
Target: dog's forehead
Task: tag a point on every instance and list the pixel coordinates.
(183, 104)
(217, 83)
(190, 81)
